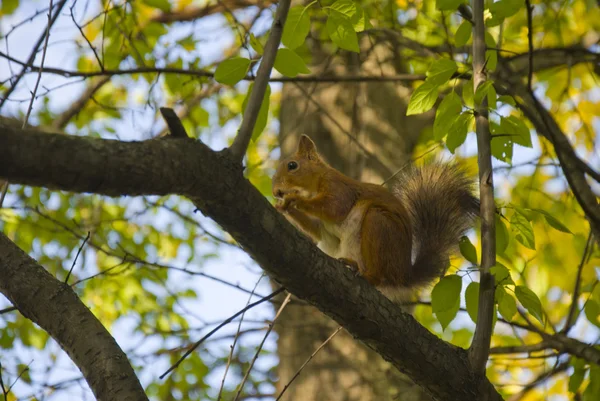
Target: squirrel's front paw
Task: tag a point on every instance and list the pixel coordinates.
(351, 264)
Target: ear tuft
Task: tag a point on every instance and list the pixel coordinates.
(307, 148)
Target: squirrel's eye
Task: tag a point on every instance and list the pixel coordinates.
(292, 166)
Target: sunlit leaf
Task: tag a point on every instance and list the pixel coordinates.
(289, 63)
(422, 99)
(457, 134)
(463, 34)
(472, 300)
(232, 71)
(445, 293)
(445, 115)
(341, 31)
(530, 301)
(522, 229)
(296, 27)
(441, 71)
(468, 250)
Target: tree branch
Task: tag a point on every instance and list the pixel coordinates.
(216, 185)
(255, 99)
(479, 349)
(56, 308)
(34, 52)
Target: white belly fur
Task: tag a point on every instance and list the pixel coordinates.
(343, 240)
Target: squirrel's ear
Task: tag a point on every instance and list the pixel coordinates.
(307, 148)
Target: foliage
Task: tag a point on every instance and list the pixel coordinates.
(140, 269)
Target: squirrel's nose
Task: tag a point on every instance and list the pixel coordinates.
(278, 193)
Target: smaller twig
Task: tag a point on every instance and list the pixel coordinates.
(281, 308)
(255, 99)
(235, 338)
(307, 361)
(173, 122)
(4, 389)
(213, 331)
(39, 78)
(85, 37)
(530, 43)
(7, 310)
(519, 349)
(4, 188)
(76, 257)
(574, 303)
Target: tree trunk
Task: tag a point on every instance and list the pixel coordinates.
(337, 116)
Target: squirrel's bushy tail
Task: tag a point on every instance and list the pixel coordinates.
(441, 205)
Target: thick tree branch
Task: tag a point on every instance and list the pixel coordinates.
(54, 306)
(479, 350)
(255, 99)
(216, 185)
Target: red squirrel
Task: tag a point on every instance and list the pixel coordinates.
(398, 241)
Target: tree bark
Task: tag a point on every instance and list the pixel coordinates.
(56, 308)
(337, 116)
(217, 187)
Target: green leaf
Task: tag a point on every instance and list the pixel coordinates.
(360, 20)
(506, 8)
(592, 312)
(467, 249)
(482, 92)
(463, 34)
(341, 31)
(163, 5)
(200, 116)
(520, 225)
(289, 63)
(472, 300)
(296, 28)
(441, 71)
(501, 236)
(263, 114)
(345, 7)
(445, 293)
(492, 97)
(468, 94)
(506, 99)
(530, 301)
(447, 316)
(507, 306)
(501, 274)
(576, 378)
(592, 391)
(457, 134)
(448, 5)
(553, 221)
(256, 45)
(446, 113)
(232, 71)
(502, 146)
(493, 21)
(491, 56)
(517, 130)
(422, 99)
(8, 7)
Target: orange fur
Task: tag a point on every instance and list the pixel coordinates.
(368, 226)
